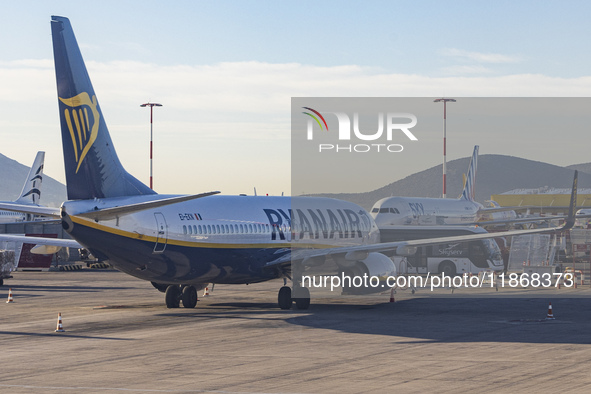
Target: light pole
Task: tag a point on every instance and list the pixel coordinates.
(151, 105)
(444, 100)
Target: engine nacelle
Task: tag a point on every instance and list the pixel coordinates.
(376, 265)
(406, 250)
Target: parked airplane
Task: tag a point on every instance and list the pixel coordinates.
(181, 243)
(400, 211)
(30, 194)
(396, 211)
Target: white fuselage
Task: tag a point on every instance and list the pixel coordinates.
(221, 239)
(11, 217)
(396, 211)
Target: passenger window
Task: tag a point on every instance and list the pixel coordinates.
(190, 230)
(199, 227)
(184, 229)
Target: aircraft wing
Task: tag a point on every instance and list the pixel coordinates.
(360, 252)
(31, 209)
(533, 219)
(42, 245)
(484, 211)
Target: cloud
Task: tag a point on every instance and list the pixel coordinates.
(479, 57)
(242, 107)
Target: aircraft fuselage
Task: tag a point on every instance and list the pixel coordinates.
(217, 239)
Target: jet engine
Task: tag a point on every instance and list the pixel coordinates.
(367, 276)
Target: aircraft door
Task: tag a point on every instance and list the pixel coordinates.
(161, 233)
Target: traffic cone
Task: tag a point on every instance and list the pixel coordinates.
(550, 315)
(392, 295)
(206, 291)
(9, 296)
(60, 327)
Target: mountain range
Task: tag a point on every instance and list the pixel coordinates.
(496, 174)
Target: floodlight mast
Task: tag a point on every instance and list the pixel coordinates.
(151, 105)
(444, 100)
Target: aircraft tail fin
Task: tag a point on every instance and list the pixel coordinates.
(93, 169)
(31, 193)
(468, 192)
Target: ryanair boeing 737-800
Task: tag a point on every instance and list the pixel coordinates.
(182, 243)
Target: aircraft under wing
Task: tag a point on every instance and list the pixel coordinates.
(42, 245)
(31, 209)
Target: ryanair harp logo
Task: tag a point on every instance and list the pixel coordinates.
(82, 124)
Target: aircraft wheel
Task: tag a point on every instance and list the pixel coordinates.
(284, 298)
(172, 296)
(189, 297)
(302, 298)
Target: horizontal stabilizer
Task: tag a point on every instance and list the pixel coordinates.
(112, 213)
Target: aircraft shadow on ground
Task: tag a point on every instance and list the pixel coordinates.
(79, 289)
(428, 320)
(60, 335)
(459, 320)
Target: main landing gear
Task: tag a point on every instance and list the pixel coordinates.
(301, 297)
(175, 294)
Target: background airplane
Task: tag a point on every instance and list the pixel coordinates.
(30, 194)
(402, 211)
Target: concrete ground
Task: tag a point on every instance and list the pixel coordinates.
(120, 337)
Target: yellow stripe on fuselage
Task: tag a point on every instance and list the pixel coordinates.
(192, 244)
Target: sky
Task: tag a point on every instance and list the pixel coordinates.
(225, 73)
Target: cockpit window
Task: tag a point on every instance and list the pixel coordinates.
(375, 210)
(386, 210)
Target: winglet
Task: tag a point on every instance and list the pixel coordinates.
(570, 219)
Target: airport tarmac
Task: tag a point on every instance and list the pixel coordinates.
(120, 337)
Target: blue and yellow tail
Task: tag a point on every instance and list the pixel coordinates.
(93, 169)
